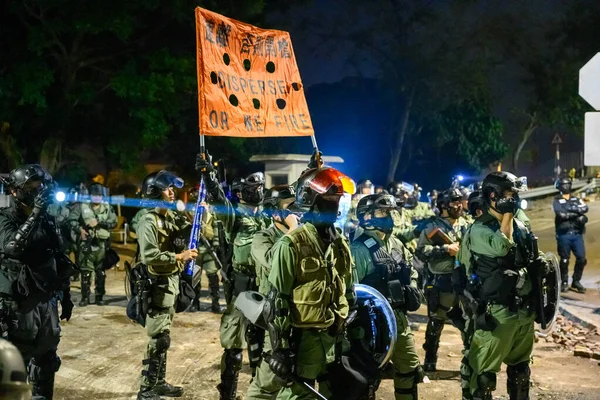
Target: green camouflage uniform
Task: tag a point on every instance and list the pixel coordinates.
(93, 249)
(405, 359)
(241, 224)
(136, 220)
(264, 385)
(313, 282)
(487, 254)
(439, 293)
(156, 250)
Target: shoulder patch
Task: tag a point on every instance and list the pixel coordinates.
(370, 242)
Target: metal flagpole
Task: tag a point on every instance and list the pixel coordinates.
(199, 210)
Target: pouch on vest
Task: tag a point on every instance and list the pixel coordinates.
(396, 292)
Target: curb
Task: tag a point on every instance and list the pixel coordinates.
(574, 318)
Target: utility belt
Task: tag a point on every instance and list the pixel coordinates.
(441, 282)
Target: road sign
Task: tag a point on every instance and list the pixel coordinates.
(592, 139)
(557, 139)
(589, 82)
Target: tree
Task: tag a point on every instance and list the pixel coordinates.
(430, 54)
(120, 75)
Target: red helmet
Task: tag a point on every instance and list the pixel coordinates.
(319, 182)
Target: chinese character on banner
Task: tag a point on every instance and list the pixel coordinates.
(248, 80)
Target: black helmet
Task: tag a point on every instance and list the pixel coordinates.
(19, 177)
(315, 182)
(365, 183)
(476, 202)
(448, 196)
(563, 185)
(398, 190)
(466, 192)
(278, 197)
(155, 183)
(251, 188)
(379, 189)
(97, 189)
(500, 181)
(372, 202)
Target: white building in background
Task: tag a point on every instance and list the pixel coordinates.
(286, 168)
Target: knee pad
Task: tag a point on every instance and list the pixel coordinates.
(44, 367)
(233, 358)
(487, 381)
(519, 372)
(163, 342)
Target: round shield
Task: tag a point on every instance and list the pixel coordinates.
(551, 295)
(373, 331)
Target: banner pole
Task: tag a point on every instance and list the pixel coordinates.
(199, 210)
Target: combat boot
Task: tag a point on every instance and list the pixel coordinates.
(163, 388)
(98, 300)
(86, 282)
(213, 285)
(576, 286)
(150, 378)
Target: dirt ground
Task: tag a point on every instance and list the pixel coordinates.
(102, 350)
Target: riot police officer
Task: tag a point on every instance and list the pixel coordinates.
(383, 262)
(94, 223)
(158, 253)
(496, 253)
(403, 227)
(311, 282)
(241, 223)
(438, 245)
(276, 204)
(570, 223)
(31, 247)
(466, 192)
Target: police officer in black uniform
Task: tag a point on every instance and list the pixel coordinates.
(570, 220)
(34, 276)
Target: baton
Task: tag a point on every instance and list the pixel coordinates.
(295, 379)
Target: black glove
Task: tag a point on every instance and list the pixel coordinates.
(280, 363)
(204, 164)
(412, 298)
(542, 266)
(316, 160)
(67, 306)
(43, 199)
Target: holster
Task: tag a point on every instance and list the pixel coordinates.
(243, 282)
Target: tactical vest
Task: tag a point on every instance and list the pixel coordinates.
(246, 225)
(498, 277)
(318, 294)
(101, 214)
(165, 228)
(387, 267)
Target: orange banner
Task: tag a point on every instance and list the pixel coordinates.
(248, 81)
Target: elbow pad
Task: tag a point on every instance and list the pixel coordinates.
(14, 248)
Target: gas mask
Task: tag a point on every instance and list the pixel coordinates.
(507, 205)
(324, 212)
(253, 195)
(383, 224)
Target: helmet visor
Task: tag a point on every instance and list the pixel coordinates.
(165, 179)
(257, 178)
(521, 184)
(328, 178)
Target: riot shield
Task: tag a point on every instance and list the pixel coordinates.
(551, 295)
